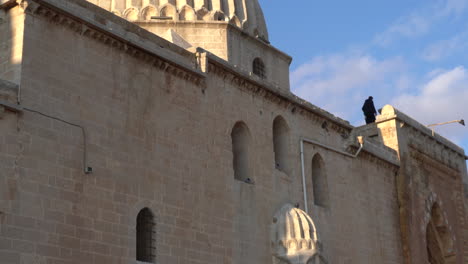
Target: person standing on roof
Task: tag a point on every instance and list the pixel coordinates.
(369, 110)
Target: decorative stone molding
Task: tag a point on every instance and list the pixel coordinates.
(286, 100)
(246, 15)
(430, 162)
(59, 17)
(294, 238)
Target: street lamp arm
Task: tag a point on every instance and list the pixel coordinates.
(461, 121)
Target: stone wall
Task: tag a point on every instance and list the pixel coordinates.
(431, 174)
(11, 41)
(158, 136)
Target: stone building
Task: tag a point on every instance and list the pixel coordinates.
(164, 131)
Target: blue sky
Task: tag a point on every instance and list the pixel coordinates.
(412, 54)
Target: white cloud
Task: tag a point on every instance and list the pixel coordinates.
(420, 22)
(337, 82)
(340, 83)
(411, 26)
(442, 98)
(443, 49)
(452, 7)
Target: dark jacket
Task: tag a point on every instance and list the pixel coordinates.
(368, 108)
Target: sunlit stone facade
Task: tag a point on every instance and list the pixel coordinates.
(166, 132)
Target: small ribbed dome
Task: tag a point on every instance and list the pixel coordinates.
(246, 14)
(293, 235)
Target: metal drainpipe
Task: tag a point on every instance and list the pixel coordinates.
(304, 187)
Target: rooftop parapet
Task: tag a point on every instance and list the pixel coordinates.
(389, 112)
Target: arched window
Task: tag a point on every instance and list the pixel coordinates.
(438, 239)
(149, 12)
(259, 68)
(319, 182)
(187, 13)
(219, 16)
(240, 149)
(169, 11)
(280, 143)
(146, 236)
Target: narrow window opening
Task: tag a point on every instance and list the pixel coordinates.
(146, 236)
(259, 68)
(280, 143)
(319, 182)
(240, 149)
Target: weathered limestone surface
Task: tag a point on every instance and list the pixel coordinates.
(11, 41)
(432, 173)
(158, 120)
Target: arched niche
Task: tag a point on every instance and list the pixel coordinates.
(241, 141)
(148, 12)
(187, 13)
(319, 181)
(204, 14)
(169, 10)
(146, 236)
(131, 14)
(235, 21)
(439, 241)
(281, 143)
(219, 16)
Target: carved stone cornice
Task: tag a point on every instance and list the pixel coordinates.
(108, 38)
(371, 157)
(277, 97)
(430, 162)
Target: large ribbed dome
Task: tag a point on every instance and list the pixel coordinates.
(246, 14)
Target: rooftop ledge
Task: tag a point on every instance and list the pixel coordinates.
(389, 112)
(125, 31)
(275, 90)
(224, 24)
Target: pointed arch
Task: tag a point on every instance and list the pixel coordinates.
(319, 181)
(235, 21)
(281, 143)
(146, 236)
(439, 241)
(241, 140)
(219, 16)
(169, 10)
(148, 12)
(204, 14)
(187, 13)
(131, 14)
